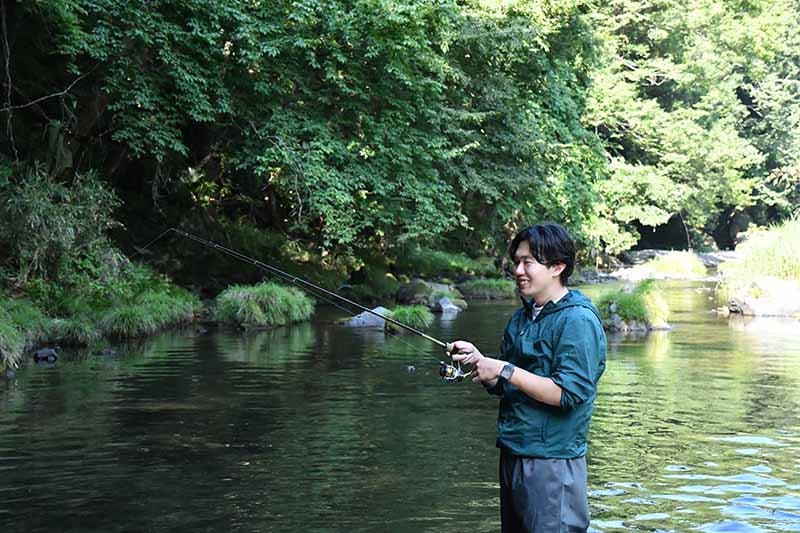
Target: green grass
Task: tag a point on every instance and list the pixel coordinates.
(416, 316)
(28, 319)
(75, 331)
(644, 304)
(675, 265)
(437, 264)
(489, 289)
(12, 342)
(129, 321)
(262, 305)
(774, 252)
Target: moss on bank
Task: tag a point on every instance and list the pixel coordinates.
(488, 289)
(643, 305)
(263, 305)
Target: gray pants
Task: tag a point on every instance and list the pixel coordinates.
(543, 495)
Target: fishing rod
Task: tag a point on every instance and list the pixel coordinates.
(447, 371)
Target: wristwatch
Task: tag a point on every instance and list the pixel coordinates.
(507, 371)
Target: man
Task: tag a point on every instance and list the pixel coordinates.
(552, 355)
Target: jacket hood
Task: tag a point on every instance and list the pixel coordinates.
(573, 298)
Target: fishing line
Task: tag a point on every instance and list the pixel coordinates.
(447, 371)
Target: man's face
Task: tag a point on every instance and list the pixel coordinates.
(534, 279)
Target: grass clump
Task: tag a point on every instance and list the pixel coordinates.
(643, 304)
(675, 265)
(416, 316)
(488, 289)
(12, 342)
(262, 305)
(28, 319)
(774, 252)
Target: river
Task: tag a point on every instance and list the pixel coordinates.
(316, 427)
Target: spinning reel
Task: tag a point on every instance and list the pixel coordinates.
(452, 373)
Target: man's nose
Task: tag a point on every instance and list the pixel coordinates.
(519, 269)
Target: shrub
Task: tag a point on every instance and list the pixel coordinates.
(12, 342)
(677, 264)
(264, 304)
(129, 321)
(416, 316)
(774, 252)
(438, 264)
(45, 221)
(27, 318)
(77, 331)
(488, 289)
(644, 304)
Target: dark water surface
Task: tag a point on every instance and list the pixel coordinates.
(319, 428)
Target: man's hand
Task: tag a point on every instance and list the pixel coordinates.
(485, 369)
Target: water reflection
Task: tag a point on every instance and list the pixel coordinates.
(320, 427)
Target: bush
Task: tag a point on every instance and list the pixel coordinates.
(45, 222)
(416, 316)
(12, 342)
(488, 289)
(27, 318)
(431, 264)
(265, 304)
(774, 252)
(676, 265)
(644, 304)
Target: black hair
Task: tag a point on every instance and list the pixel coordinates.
(550, 244)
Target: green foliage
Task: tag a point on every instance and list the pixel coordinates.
(377, 286)
(437, 264)
(46, 223)
(488, 289)
(80, 330)
(645, 304)
(12, 342)
(675, 265)
(355, 127)
(129, 321)
(416, 316)
(265, 304)
(27, 318)
(773, 252)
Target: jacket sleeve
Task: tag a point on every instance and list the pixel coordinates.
(580, 359)
(505, 349)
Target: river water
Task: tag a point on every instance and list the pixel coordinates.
(316, 427)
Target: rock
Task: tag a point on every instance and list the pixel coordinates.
(107, 352)
(368, 320)
(775, 297)
(45, 355)
(414, 293)
(421, 292)
(411, 369)
(10, 373)
(613, 307)
(446, 306)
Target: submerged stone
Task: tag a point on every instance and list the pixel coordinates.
(45, 355)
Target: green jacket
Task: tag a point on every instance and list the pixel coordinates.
(566, 343)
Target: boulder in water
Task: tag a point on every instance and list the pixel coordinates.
(45, 355)
(368, 320)
(446, 306)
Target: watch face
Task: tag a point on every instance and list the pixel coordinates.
(507, 371)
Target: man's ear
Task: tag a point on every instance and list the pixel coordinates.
(557, 269)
